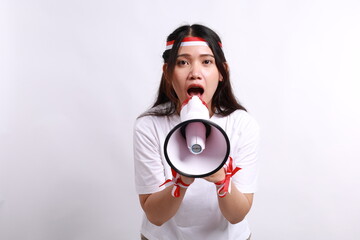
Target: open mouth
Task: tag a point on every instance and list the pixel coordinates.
(195, 91)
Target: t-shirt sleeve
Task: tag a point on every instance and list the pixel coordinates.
(246, 156)
(149, 170)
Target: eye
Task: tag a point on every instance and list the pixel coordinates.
(207, 61)
(182, 62)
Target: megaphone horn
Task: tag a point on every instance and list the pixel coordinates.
(196, 147)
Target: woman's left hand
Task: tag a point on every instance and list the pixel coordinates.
(216, 177)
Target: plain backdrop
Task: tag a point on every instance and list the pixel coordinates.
(75, 74)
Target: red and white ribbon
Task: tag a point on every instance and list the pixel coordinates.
(224, 186)
(188, 41)
(177, 182)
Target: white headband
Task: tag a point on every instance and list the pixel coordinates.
(190, 41)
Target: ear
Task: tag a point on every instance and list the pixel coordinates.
(226, 66)
(164, 68)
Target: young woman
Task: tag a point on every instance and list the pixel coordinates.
(194, 64)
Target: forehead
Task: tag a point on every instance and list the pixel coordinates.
(195, 50)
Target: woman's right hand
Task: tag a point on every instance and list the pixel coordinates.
(187, 180)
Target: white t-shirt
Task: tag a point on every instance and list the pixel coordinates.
(199, 216)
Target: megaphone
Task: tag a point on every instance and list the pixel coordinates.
(196, 147)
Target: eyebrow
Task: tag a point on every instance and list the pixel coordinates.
(201, 55)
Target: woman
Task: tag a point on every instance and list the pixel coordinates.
(194, 64)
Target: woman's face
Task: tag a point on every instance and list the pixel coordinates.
(195, 73)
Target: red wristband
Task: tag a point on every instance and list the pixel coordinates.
(224, 186)
(177, 182)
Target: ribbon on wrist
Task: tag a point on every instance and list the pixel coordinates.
(224, 186)
(177, 182)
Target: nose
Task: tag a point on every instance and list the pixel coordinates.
(195, 72)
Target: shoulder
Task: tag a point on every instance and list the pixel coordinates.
(242, 124)
(147, 122)
(149, 119)
(243, 119)
(149, 115)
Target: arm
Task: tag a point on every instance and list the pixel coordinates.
(235, 205)
(159, 207)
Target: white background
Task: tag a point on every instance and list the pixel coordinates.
(75, 74)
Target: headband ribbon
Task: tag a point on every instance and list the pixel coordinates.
(190, 41)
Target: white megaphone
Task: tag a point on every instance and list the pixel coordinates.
(196, 147)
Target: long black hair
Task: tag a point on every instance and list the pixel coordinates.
(223, 101)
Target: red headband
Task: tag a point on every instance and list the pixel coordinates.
(190, 41)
